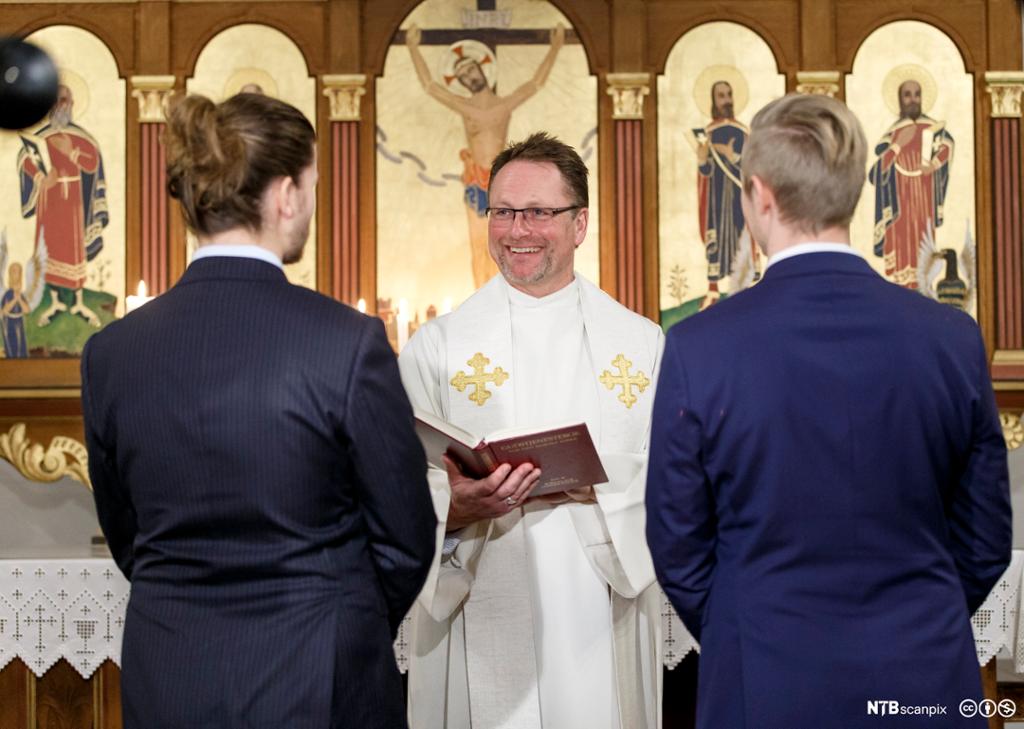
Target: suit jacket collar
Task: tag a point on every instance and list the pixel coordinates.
(232, 268)
(813, 264)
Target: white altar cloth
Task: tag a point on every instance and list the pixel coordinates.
(61, 604)
(64, 605)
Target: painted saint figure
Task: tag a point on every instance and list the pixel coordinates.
(719, 151)
(485, 116)
(63, 186)
(13, 309)
(910, 176)
(19, 296)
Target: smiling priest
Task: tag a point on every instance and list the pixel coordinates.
(539, 611)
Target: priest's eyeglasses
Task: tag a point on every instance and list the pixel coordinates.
(505, 216)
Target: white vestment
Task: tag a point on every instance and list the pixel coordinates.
(549, 616)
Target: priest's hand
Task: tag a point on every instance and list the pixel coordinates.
(487, 498)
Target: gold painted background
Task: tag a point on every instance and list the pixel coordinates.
(258, 54)
(683, 264)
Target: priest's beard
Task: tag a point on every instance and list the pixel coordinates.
(504, 259)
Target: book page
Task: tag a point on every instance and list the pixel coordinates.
(443, 426)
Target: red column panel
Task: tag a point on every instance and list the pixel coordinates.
(1014, 242)
(1009, 261)
(345, 211)
(336, 194)
(154, 268)
(629, 213)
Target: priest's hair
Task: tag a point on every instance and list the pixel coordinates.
(543, 147)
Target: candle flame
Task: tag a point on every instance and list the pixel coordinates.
(361, 305)
(141, 290)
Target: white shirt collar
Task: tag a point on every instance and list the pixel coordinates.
(237, 251)
(523, 299)
(801, 248)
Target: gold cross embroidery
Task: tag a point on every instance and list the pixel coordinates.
(625, 380)
(479, 378)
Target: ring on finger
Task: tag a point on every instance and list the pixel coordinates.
(509, 501)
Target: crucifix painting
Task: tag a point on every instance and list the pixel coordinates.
(485, 116)
(462, 79)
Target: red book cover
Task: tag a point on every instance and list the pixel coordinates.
(565, 454)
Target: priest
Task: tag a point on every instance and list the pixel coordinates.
(539, 612)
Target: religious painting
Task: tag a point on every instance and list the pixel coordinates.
(254, 58)
(915, 220)
(716, 78)
(462, 79)
(62, 224)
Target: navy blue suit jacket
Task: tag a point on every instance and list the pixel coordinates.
(827, 498)
(259, 481)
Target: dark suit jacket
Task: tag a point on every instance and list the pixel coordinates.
(828, 498)
(258, 480)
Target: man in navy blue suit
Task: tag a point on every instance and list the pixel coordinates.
(827, 494)
(253, 458)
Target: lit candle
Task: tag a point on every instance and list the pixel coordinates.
(131, 303)
(361, 305)
(402, 322)
(446, 305)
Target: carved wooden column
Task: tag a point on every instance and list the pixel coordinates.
(1005, 89)
(153, 94)
(628, 91)
(824, 83)
(344, 93)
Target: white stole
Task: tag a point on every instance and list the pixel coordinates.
(500, 650)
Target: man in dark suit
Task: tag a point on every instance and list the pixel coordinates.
(827, 493)
(253, 457)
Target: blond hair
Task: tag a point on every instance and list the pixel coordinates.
(811, 151)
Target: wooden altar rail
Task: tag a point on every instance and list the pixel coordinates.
(61, 699)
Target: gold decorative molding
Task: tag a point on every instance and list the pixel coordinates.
(154, 94)
(344, 91)
(64, 457)
(1013, 429)
(628, 91)
(823, 83)
(1005, 89)
(1008, 357)
(23, 393)
(1008, 369)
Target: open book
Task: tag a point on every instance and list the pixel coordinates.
(565, 454)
